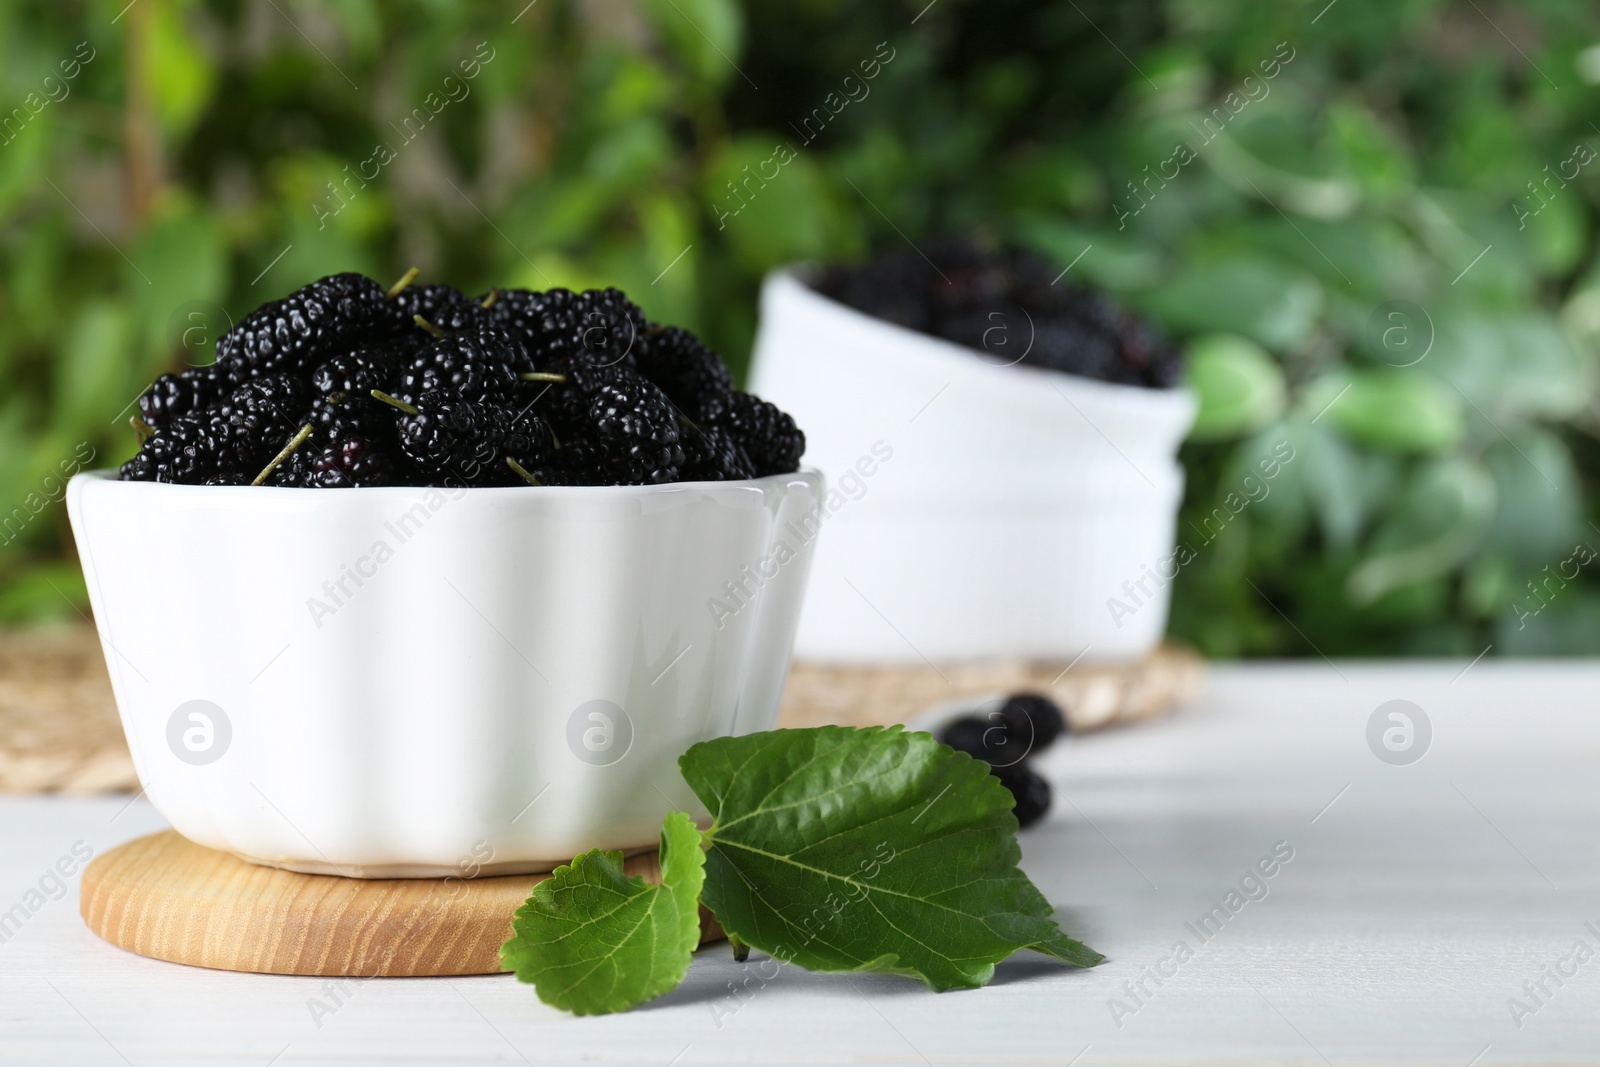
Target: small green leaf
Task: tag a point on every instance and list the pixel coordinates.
(184, 72)
(1239, 385)
(1400, 411)
(705, 35)
(1439, 519)
(1260, 297)
(868, 850)
(1369, 150)
(769, 201)
(592, 940)
(92, 379)
(1116, 261)
(1540, 511)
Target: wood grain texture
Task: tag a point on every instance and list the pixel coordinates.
(165, 897)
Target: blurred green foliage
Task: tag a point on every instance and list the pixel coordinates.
(1373, 220)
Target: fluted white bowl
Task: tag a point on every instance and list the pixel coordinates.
(977, 509)
(413, 682)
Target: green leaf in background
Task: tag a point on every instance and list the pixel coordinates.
(1557, 235)
(1250, 174)
(184, 73)
(43, 593)
(767, 200)
(1238, 383)
(180, 260)
(1542, 376)
(705, 34)
(23, 164)
(592, 940)
(1538, 519)
(1569, 627)
(868, 850)
(1369, 151)
(1399, 411)
(1256, 297)
(1341, 485)
(95, 364)
(1446, 510)
(1108, 259)
(16, 475)
(1511, 365)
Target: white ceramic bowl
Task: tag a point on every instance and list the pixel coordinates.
(976, 509)
(410, 682)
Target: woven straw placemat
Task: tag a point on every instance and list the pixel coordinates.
(59, 730)
(1092, 696)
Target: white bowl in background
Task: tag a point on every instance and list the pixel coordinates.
(413, 682)
(976, 509)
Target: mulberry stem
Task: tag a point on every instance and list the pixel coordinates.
(522, 472)
(295, 442)
(394, 402)
(405, 279)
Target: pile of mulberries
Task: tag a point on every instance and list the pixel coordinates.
(344, 384)
(1005, 736)
(1011, 306)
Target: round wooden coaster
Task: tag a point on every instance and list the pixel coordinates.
(165, 897)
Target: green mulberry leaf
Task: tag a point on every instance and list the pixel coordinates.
(592, 940)
(868, 850)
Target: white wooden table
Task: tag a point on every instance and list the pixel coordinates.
(1418, 902)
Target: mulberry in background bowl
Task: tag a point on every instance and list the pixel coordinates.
(415, 682)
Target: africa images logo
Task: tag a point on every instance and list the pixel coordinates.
(199, 732)
(599, 732)
(1399, 732)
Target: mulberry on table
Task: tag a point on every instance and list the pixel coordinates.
(343, 384)
(1006, 736)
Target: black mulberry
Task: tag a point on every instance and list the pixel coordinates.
(478, 364)
(692, 375)
(360, 370)
(351, 463)
(1030, 791)
(766, 433)
(1032, 720)
(443, 307)
(172, 395)
(599, 327)
(712, 455)
(634, 434)
(262, 415)
(188, 451)
(455, 440)
(291, 334)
